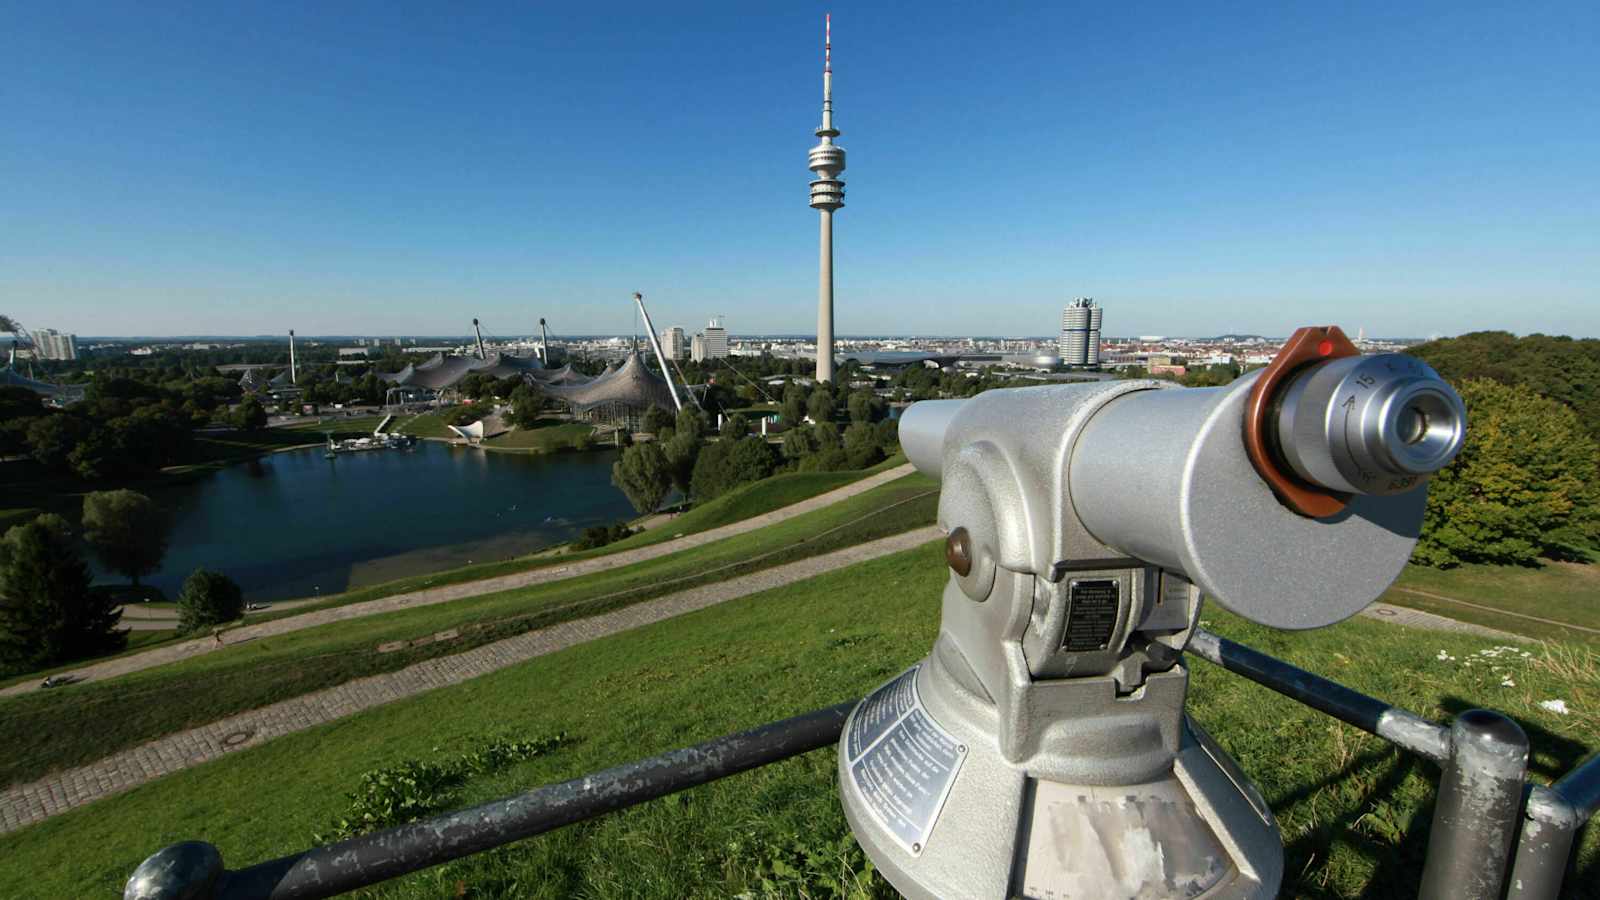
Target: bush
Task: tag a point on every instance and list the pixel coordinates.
(208, 598)
(601, 535)
(735, 426)
(1523, 487)
(413, 789)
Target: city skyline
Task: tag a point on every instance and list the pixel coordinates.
(1213, 172)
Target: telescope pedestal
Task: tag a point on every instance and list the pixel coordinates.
(943, 813)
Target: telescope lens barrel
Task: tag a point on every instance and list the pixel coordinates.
(1369, 424)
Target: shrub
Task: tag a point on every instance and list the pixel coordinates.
(601, 535)
(208, 598)
(413, 789)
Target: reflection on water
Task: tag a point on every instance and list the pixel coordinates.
(296, 524)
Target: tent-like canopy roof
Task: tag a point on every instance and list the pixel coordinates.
(629, 384)
(444, 372)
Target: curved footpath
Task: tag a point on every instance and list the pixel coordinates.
(172, 653)
(25, 804)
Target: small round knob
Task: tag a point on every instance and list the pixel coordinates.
(958, 552)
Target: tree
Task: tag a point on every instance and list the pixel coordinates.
(126, 530)
(208, 598)
(47, 612)
(861, 446)
(526, 404)
(644, 475)
(735, 426)
(52, 439)
(19, 407)
(250, 415)
(820, 405)
(1524, 486)
(729, 463)
(655, 419)
(794, 404)
(798, 443)
(864, 406)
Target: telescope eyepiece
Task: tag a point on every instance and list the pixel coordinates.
(1368, 424)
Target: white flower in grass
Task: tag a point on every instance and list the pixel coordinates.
(1559, 707)
(1508, 683)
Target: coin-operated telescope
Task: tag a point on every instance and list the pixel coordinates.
(1041, 749)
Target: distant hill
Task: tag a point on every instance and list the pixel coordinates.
(1561, 368)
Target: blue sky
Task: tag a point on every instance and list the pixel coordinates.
(382, 168)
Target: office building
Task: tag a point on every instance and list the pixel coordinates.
(674, 343)
(1079, 344)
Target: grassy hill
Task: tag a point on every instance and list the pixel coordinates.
(1354, 812)
(80, 723)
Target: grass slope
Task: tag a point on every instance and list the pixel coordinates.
(78, 724)
(429, 425)
(548, 436)
(1354, 812)
(1560, 591)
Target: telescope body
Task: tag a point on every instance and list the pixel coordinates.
(1042, 750)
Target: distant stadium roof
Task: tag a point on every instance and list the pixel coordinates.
(898, 357)
(445, 372)
(9, 377)
(629, 384)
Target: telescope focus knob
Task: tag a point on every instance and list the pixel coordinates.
(1368, 424)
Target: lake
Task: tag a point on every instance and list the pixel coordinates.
(295, 524)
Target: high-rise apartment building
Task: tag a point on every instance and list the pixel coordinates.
(674, 343)
(1079, 344)
(715, 338)
(49, 343)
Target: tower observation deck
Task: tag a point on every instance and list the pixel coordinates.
(827, 195)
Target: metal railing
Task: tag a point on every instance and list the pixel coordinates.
(1488, 821)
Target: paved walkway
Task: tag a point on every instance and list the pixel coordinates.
(1416, 618)
(1501, 612)
(137, 662)
(26, 804)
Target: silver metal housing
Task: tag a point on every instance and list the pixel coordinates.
(1369, 424)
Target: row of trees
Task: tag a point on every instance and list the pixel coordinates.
(681, 459)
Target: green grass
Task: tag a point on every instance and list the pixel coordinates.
(548, 436)
(1560, 591)
(426, 425)
(1354, 812)
(336, 423)
(78, 724)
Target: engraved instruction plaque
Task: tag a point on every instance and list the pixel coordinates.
(902, 763)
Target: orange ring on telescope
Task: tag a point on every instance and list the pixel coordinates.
(1307, 346)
